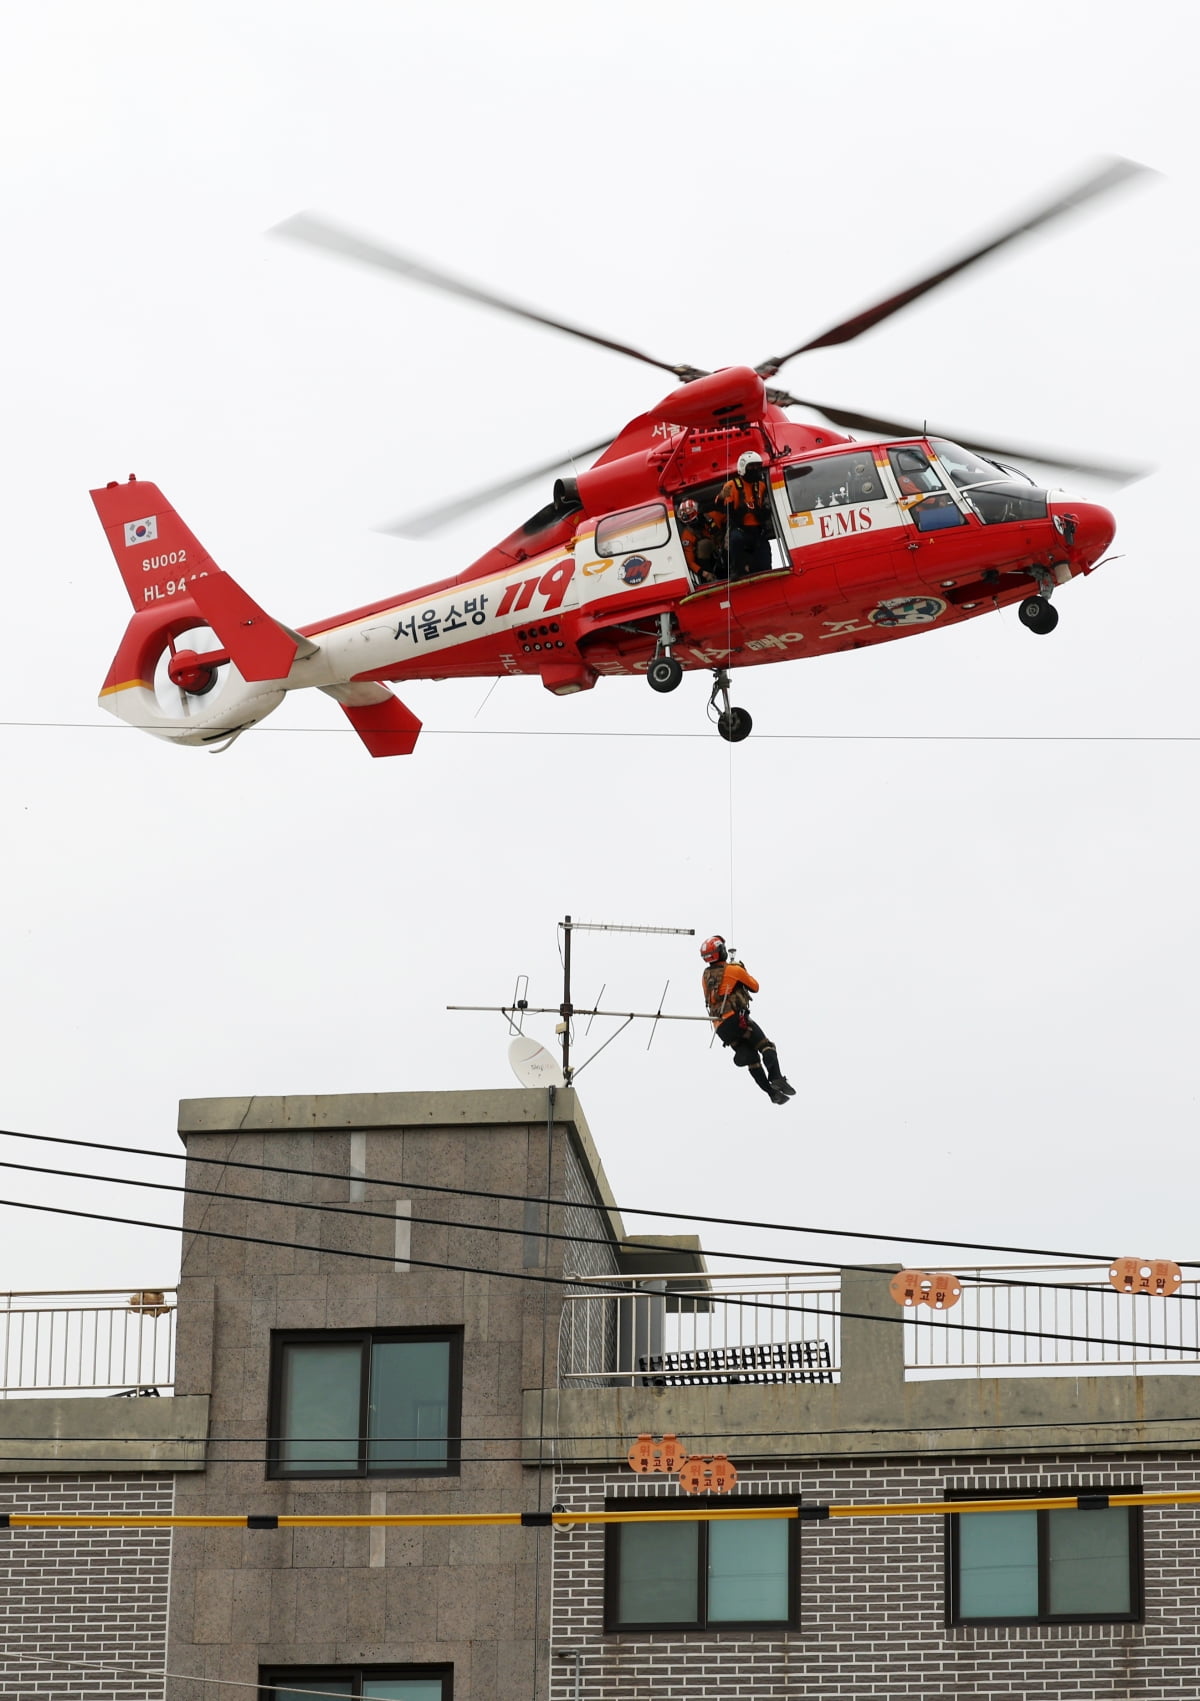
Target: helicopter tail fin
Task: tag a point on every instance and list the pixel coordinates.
(381, 720)
(163, 562)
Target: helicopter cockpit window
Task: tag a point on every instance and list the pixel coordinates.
(634, 528)
(923, 493)
(996, 493)
(837, 481)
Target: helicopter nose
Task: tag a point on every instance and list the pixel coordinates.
(1086, 528)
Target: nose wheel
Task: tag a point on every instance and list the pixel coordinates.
(1039, 614)
(733, 723)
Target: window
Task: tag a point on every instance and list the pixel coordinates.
(998, 494)
(636, 528)
(733, 1574)
(834, 482)
(372, 1683)
(348, 1403)
(922, 492)
(1045, 1566)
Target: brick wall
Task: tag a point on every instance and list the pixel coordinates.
(873, 1601)
(91, 1595)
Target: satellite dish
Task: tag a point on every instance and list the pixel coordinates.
(533, 1065)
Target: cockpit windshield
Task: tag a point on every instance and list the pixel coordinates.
(997, 493)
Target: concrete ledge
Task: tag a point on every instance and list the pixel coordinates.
(92, 1432)
(1043, 1414)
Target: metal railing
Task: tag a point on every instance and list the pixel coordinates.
(1012, 1320)
(714, 1328)
(97, 1341)
(1022, 1320)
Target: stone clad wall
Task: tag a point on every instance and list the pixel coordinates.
(873, 1598)
(84, 1596)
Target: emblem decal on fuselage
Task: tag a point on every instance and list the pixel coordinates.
(634, 570)
(906, 611)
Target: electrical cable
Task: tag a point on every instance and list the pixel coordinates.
(776, 737)
(155, 1673)
(664, 1514)
(502, 1229)
(938, 1321)
(622, 1210)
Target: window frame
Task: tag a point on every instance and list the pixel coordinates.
(277, 1468)
(607, 553)
(271, 1678)
(1137, 1612)
(701, 1626)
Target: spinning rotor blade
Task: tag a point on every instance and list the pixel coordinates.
(1110, 176)
(432, 519)
(1108, 471)
(319, 233)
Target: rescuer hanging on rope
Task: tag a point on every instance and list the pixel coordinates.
(727, 990)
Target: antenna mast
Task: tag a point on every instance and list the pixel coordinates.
(566, 1010)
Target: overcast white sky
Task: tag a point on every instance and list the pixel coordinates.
(978, 958)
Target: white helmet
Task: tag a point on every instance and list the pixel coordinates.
(749, 459)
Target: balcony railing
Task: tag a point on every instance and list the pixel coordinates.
(1019, 1320)
(687, 1330)
(88, 1342)
(783, 1327)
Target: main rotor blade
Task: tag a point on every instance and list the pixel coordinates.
(1109, 176)
(431, 520)
(319, 233)
(1110, 472)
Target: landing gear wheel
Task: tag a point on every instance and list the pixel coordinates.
(1039, 615)
(664, 673)
(734, 725)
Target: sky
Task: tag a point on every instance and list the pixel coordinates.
(961, 867)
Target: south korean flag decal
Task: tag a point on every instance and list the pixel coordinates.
(140, 531)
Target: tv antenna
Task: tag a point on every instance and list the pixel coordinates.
(532, 1063)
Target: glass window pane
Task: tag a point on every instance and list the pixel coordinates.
(319, 1406)
(1089, 1561)
(834, 482)
(408, 1420)
(997, 1565)
(658, 1574)
(748, 1571)
(403, 1688)
(636, 528)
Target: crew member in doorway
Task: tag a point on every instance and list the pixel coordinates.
(700, 535)
(746, 499)
(727, 991)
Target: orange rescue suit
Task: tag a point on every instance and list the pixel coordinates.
(727, 988)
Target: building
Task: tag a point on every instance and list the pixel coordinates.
(389, 1319)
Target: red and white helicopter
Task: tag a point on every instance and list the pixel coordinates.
(869, 542)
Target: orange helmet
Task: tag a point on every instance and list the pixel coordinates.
(688, 510)
(713, 950)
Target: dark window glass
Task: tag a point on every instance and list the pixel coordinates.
(354, 1404)
(1045, 1565)
(834, 482)
(698, 1576)
(372, 1683)
(996, 493)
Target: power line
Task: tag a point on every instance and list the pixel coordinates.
(499, 1228)
(938, 1321)
(608, 733)
(147, 1669)
(536, 1199)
